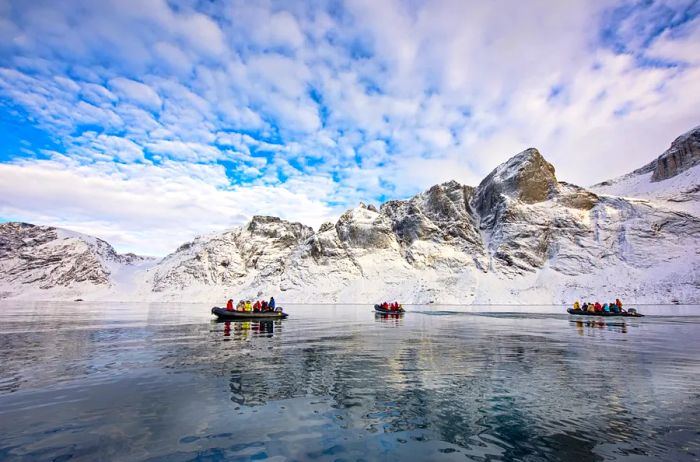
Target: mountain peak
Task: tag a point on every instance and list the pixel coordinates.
(527, 177)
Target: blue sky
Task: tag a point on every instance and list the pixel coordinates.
(147, 122)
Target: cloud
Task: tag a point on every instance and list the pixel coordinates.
(137, 92)
(145, 208)
(270, 105)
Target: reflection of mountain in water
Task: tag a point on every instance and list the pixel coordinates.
(514, 391)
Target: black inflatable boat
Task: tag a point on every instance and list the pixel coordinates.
(379, 309)
(222, 313)
(606, 314)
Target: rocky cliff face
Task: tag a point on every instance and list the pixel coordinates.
(261, 248)
(683, 154)
(521, 235)
(46, 257)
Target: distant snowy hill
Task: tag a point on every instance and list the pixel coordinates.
(46, 262)
(520, 236)
(672, 180)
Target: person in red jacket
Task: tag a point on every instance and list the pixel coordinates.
(256, 307)
(598, 307)
(229, 305)
(385, 305)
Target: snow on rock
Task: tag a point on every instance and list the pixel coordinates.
(521, 236)
(43, 258)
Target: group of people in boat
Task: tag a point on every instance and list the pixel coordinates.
(247, 305)
(590, 307)
(395, 306)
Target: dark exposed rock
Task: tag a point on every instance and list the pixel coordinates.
(527, 177)
(576, 197)
(441, 214)
(364, 228)
(683, 154)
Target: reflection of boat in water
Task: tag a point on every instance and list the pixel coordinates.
(379, 310)
(225, 315)
(243, 328)
(606, 314)
(394, 319)
(592, 323)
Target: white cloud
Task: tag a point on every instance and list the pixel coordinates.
(413, 93)
(137, 92)
(145, 208)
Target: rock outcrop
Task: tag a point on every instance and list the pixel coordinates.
(683, 154)
(48, 257)
(261, 248)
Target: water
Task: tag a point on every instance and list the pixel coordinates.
(164, 382)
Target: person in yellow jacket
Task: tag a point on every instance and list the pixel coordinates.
(248, 305)
(577, 305)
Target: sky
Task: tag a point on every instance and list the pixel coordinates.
(147, 122)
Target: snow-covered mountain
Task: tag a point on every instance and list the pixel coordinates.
(672, 180)
(519, 236)
(46, 262)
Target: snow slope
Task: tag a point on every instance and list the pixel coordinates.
(672, 180)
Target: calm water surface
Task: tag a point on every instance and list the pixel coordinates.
(164, 382)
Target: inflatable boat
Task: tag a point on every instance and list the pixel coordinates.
(607, 314)
(224, 314)
(379, 309)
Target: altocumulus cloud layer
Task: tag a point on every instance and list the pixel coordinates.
(148, 121)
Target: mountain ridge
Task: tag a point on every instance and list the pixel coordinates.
(519, 235)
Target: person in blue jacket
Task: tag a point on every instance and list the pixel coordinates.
(271, 304)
